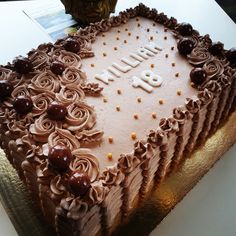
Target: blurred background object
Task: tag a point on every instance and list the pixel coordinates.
(87, 11)
(229, 7)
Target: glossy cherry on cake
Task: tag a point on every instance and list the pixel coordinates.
(216, 48)
(72, 45)
(198, 75)
(79, 183)
(22, 65)
(185, 46)
(56, 111)
(185, 29)
(231, 55)
(59, 157)
(57, 67)
(6, 89)
(23, 105)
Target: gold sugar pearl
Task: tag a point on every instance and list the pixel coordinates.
(177, 75)
(109, 156)
(118, 91)
(137, 37)
(151, 38)
(161, 101)
(110, 139)
(129, 34)
(172, 48)
(105, 99)
(118, 31)
(165, 38)
(153, 24)
(152, 65)
(103, 35)
(137, 19)
(173, 64)
(117, 38)
(118, 108)
(154, 115)
(136, 116)
(139, 100)
(133, 135)
(138, 25)
(92, 65)
(104, 54)
(179, 92)
(126, 29)
(148, 30)
(166, 55)
(115, 48)
(104, 43)
(165, 30)
(125, 41)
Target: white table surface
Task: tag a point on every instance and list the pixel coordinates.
(210, 208)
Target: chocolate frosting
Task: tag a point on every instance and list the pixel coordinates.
(127, 163)
(181, 114)
(57, 187)
(193, 105)
(97, 193)
(89, 136)
(213, 68)
(199, 56)
(213, 86)
(157, 138)
(91, 89)
(205, 96)
(143, 150)
(169, 125)
(112, 176)
(72, 76)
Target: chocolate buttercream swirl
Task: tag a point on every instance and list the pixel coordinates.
(213, 86)
(157, 138)
(142, 10)
(80, 116)
(205, 41)
(72, 208)
(169, 124)
(41, 102)
(89, 136)
(127, 163)
(104, 25)
(161, 18)
(71, 75)
(46, 47)
(62, 137)
(70, 94)
(193, 105)
(85, 162)
(132, 12)
(44, 173)
(21, 90)
(213, 68)
(152, 14)
(181, 114)
(4, 73)
(115, 21)
(45, 81)
(97, 193)
(88, 33)
(7, 115)
(91, 89)
(224, 61)
(43, 127)
(199, 56)
(205, 96)
(124, 16)
(67, 58)
(224, 81)
(57, 187)
(112, 176)
(34, 154)
(142, 150)
(171, 23)
(39, 59)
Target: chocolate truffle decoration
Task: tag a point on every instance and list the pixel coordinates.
(23, 105)
(57, 67)
(22, 65)
(198, 75)
(72, 45)
(216, 48)
(231, 55)
(185, 46)
(79, 183)
(185, 29)
(59, 157)
(56, 111)
(6, 89)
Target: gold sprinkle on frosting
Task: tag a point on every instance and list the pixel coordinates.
(138, 25)
(92, 65)
(165, 37)
(172, 48)
(133, 135)
(136, 116)
(104, 54)
(161, 101)
(117, 38)
(104, 43)
(154, 115)
(110, 139)
(151, 38)
(129, 34)
(152, 65)
(177, 75)
(115, 48)
(109, 156)
(166, 55)
(105, 99)
(137, 37)
(118, 91)
(125, 41)
(179, 92)
(118, 108)
(139, 99)
(173, 64)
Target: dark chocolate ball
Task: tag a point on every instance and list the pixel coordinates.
(72, 45)
(6, 89)
(57, 67)
(56, 111)
(185, 29)
(59, 157)
(23, 105)
(185, 46)
(79, 183)
(216, 48)
(22, 65)
(198, 75)
(231, 55)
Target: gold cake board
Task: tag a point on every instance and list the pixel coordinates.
(28, 220)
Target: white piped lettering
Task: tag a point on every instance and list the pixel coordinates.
(151, 78)
(114, 71)
(105, 77)
(123, 69)
(144, 53)
(137, 57)
(130, 63)
(153, 47)
(137, 82)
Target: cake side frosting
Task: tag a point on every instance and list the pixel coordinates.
(28, 139)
